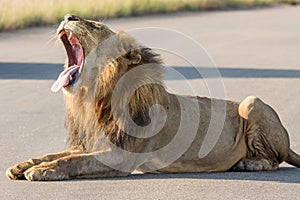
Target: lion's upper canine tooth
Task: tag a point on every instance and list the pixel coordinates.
(61, 34)
(70, 36)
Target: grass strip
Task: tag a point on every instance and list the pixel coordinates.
(15, 14)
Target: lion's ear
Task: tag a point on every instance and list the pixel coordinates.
(129, 45)
(133, 57)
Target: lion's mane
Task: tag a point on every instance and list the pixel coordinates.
(88, 119)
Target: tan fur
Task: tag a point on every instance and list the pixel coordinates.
(251, 139)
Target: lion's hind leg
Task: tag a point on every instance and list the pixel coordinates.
(266, 138)
(17, 171)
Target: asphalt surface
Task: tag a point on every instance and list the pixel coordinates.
(257, 53)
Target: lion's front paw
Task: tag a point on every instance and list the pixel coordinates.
(17, 172)
(14, 173)
(43, 173)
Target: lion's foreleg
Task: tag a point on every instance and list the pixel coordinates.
(17, 171)
(73, 166)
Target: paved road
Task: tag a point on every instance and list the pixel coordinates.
(257, 52)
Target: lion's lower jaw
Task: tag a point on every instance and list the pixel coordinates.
(67, 91)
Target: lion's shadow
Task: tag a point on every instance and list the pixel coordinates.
(224, 72)
(283, 175)
(49, 71)
(29, 71)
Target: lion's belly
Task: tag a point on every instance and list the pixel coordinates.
(208, 151)
(222, 157)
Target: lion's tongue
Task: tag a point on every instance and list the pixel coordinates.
(64, 78)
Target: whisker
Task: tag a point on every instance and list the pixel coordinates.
(85, 40)
(90, 35)
(52, 39)
(102, 19)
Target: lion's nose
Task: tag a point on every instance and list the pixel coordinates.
(70, 17)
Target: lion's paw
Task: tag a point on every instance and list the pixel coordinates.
(246, 165)
(17, 172)
(43, 173)
(254, 165)
(14, 173)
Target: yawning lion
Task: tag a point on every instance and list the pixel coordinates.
(120, 118)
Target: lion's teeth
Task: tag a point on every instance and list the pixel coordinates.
(70, 36)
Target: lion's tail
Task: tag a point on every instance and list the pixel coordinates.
(293, 158)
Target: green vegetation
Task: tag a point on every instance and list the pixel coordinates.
(23, 13)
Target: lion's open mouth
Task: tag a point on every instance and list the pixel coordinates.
(75, 61)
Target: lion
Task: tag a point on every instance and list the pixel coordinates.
(121, 118)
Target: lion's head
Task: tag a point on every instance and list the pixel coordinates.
(79, 38)
(97, 59)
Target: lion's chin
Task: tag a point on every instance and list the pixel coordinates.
(75, 55)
